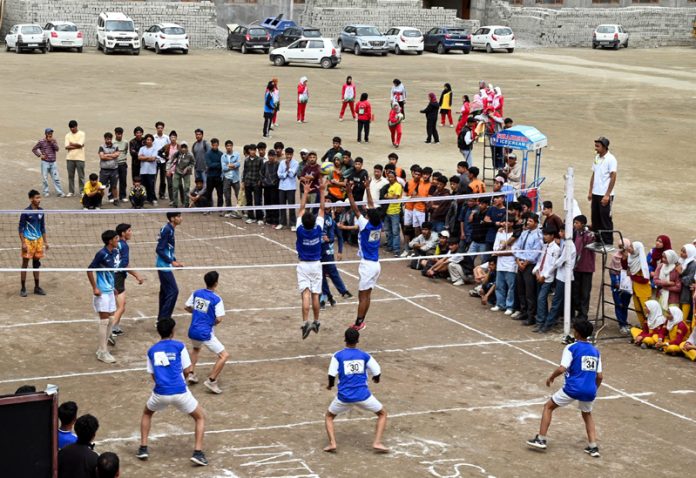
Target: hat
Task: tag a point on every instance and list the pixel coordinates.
(48, 130)
(603, 141)
(444, 234)
(304, 151)
(338, 156)
(182, 144)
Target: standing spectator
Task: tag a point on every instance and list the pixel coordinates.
(251, 176)
(79, 459)
(230, 176)
(393, 214)
(75, 144)
(160, 141)
(93, 193)
(379, 180)
(526, 255)
(601, 195)
(475, 184)
(550, 219)
(287, 188)
(584, 267)
(495, 218)
(398, 95)
(446, 105)
(213, 172)
(688, 272)
(46, 149)
(365, 117)
(67, 414)
(166, 262)
(394, 123)
(108, 465)
(506, 267)
(104, 300)
(430, 113)
(439, 209)
(414, 212)
(199, 149)
(147, 156)
(621, 289)
(302, 99)
(359, 178)
(32, 234)
(566, 261)
(545, 274)
(269, 108)
(312, 170)
(169, 152)
(108, 166)
(122, 162)
(333, 150)
(134, 146)
(479, 229)
(513, 170)
(183, 165)
(465, 140)
(269, 183)
(347, 98)
(464, 112)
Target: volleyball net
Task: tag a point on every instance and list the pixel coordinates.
(208, 238)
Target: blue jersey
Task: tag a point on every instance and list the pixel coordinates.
(309, 242)
(32, 226)
(65, 438)
(207, 306)
(332, 233)
(351, 366)
(368, 239)
(124, 251)
(105, 259)
(582, 363)
(166, 360)
(165, 246)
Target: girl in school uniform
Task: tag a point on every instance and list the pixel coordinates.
(647, 335)
(667, 280)
(675, 332)
(398, 95)
(446, 105)
(636, 264)
(687, 269)
(394, 123)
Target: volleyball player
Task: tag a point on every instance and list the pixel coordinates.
(166, 260)
(125, 233)
(32, 234)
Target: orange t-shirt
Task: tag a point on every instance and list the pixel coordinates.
(477, 186)
(423, 190)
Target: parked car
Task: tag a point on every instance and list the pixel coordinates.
(25, 36)
(292, 34)
(248, 38)
(60, 35)
(610, 35)
(494, 37)
(166, 36)
(117, 32)
(445, 39)
(316, 51)
(402, 39)
(277, 25)
(363, 39)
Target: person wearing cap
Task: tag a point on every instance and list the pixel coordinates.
(183, 164)
(443, 266)
(514, 171)
(46, 149)
(601, 193)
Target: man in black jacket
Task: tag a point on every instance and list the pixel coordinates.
(79, 460)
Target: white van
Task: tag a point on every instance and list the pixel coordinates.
(117, 32)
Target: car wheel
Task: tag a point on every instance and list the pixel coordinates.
(397, 50)
(136, 52)
(7, 48)
(44, 50)
(325, 63)
(142, 42)
(489, 48)
(340, 46)
(49, 47)
(626, 44)
(278, 60)
(243, 49)
(419, 52)
(441, 50)
(185, 52)
(510, 50)
(356, 49)
(467, 51)
(158, 50)
(266, 50)
(617, 45)
(79, 49)
(17, 49)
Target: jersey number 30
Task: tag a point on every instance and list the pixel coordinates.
(352, 367)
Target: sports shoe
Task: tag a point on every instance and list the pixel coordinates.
(105, 357)
(458, 283)
(322, 305)
(111, 340)
(306, 329)
(404, 254)
(625, 330)
(155, 203)
(537, 443)
(332, 302)
(69, 195)
(347, 295)
(260, 222)
(249, 221)
(495, 308)
(340, 119)
(192, 378)
(61, 195)
(293, 229)
(142, 454)
(473, 293)
(117, 331)
(509, 312)
(315, 326)
(46, 194)
(279, 227)
(124, 200)
(592, 451)
(358, 327)
(199, 458)
(22, 292)
(515, 314)
(212, 386)
(97, 209)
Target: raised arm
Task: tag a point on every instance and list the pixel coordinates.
(370, 202)
(306, 180)
(322, 197)
(351, 199)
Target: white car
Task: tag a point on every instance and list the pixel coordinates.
(117, 32)
(402, 39)
(610, 35)
(166, 36)
(320, 51)
(493, 37)
(25, 36)
(63, 35)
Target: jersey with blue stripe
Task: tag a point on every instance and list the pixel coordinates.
(165, 246)
(309, 241)
(105, 259)
(166, 360)
(368, 239)
(582, 363)
(32, 226)
(351, 366)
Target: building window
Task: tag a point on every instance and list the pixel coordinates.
(605, 2)
(646, 1)
(521, 2)
(549, 2)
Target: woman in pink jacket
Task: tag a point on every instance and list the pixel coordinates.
(302, 99)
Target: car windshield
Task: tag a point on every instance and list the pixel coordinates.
(454, 31)
(605, 29)
(502, 31)
(31, 30)
(312, 33)
(66, 28)
(259, 32)
(412, 33)
(368, 32)
(119, 26)
(173, 31)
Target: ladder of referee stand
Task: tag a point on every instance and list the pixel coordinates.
(488, 170)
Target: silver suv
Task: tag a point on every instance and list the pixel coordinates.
(363, 39)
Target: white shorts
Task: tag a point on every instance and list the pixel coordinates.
(413, 218)
(561, 399)
(184, 402)
(309, 276)
(369, 273)
(106, 302)
(371, 405)
(213, 344)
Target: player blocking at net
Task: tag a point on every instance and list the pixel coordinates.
(166, 260)
(309, 272)
(32, 234)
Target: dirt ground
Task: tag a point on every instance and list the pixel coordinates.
(464, 386)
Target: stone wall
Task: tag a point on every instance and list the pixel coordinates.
(332, 15)
(198, 18)
(563, 27)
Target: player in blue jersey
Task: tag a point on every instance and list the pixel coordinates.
(104, 301)
(167, 362)
(207, 311)
(370, 228)
(351, 366)
(32, 235)
(582, 367)
(309, 273)
(166, 259)
(125, 233)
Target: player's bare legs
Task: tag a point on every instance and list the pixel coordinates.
(306, 303)
(194, 360)
(379, 431)
(120, 308)
(199, 417)
(590, 427)
(330, 432)
(219, 364)
(315, 307)
(546, 416)
(364, 297)
(145, 424)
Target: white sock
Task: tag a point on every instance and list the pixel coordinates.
(103, 334)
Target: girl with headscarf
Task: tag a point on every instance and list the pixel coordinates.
(620, 287)
(675, 331)
(647, 335)
(347, 98)
(667, 280)
(688, 347)
(276, 99)
(635, 262)
(662, 243)
(430, 112)
(687, 269)
(302, 99)
(394, 123)
(398, 95)
(498, 100)
(446, 105)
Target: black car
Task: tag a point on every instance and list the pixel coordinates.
(249, 38)
(445, 39)
(292, 34)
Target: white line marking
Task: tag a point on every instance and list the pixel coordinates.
(236, 226)
(682, 392)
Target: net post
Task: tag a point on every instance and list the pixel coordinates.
(568, 272)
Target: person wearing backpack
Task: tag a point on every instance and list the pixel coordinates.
(465, 140)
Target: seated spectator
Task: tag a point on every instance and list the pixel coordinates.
(487, 292)
(137, 194)
(689, 346)
(675, 332)
(79, 459)
(647, 335)
(25, 390)
(423, 244)
(197, 197)
(67, 414)
(92, 193)
(667, 279)
(108, 465)
(441, 267)
(482, 276)
(687, 268)
(441, 248)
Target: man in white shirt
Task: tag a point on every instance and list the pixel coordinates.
(506, 269)
(601, 194)
(161, 140)
(565, 261)
(545, 274)
(378, 181)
